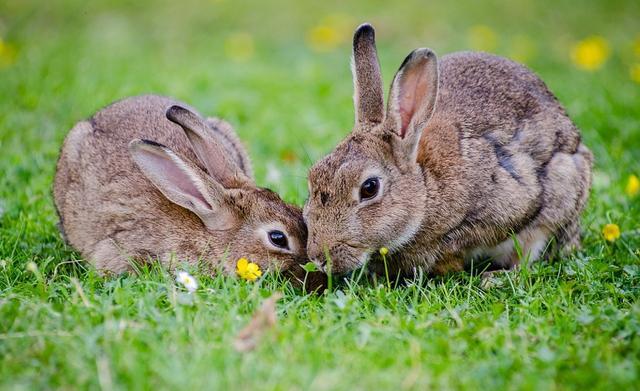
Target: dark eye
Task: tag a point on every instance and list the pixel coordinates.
(369, 189)
(278, 239)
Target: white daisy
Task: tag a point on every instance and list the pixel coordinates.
(188, 281)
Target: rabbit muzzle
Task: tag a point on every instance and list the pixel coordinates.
(336, 257)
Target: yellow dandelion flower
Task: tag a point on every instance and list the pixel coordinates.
(248, 270)
(323, 38)
(384, 251)
(239, 47)
(591, 53)
(7, 54)
(634, 72)
(636, 46)
(482, 38)
(611, 232)
(331, 32)
(633, 186)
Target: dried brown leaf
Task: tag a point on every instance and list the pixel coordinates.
(264, 319)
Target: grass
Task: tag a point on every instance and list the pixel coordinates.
(569, 324)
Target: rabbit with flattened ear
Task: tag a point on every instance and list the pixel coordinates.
(182, 190)
(470, 151)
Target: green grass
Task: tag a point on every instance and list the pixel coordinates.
(569, 324)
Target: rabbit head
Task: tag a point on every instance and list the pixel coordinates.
(252, 222)
(370, 192)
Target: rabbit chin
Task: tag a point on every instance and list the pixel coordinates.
(348, 263)
(353, 257)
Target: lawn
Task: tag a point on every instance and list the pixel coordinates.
(279, 72)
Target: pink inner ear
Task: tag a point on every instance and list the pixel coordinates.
(413, 90)
(171, 178)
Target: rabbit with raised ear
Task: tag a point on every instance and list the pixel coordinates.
(147, 177)
(472, 153)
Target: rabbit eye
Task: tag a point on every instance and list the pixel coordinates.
(369, 189)
(278, 239)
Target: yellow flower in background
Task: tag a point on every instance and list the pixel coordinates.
(384, 251)
(634, 72)
(633, 186)
(239, 47)
(7, 54)
(331, 32)
(482, 38)
(288, 156)
(611, 232)
(636, 46)
(323, 38)
(591, 53)
(248, 270)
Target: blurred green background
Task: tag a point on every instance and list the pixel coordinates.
(279, 72)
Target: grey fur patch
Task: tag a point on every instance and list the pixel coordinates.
(324, 198)
(94, 125)
(237, 156)
(504, 157)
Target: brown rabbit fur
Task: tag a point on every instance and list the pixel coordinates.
(187, 195)
(472, 153)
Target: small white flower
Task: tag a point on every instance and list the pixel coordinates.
(274, 175)
(32, 267)
(188, 281)
(3, 264)
(601, 180)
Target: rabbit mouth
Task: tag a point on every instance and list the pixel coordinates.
(341, 257)
(346, 259)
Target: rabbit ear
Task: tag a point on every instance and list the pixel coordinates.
(413, 95)
(210, 152)
(182, 184)
(368, 95)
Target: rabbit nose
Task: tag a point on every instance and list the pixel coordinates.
(320, 261)
(322, 264)
(317, 256)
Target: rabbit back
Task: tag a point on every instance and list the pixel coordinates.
(102, 198)
(515, 159)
